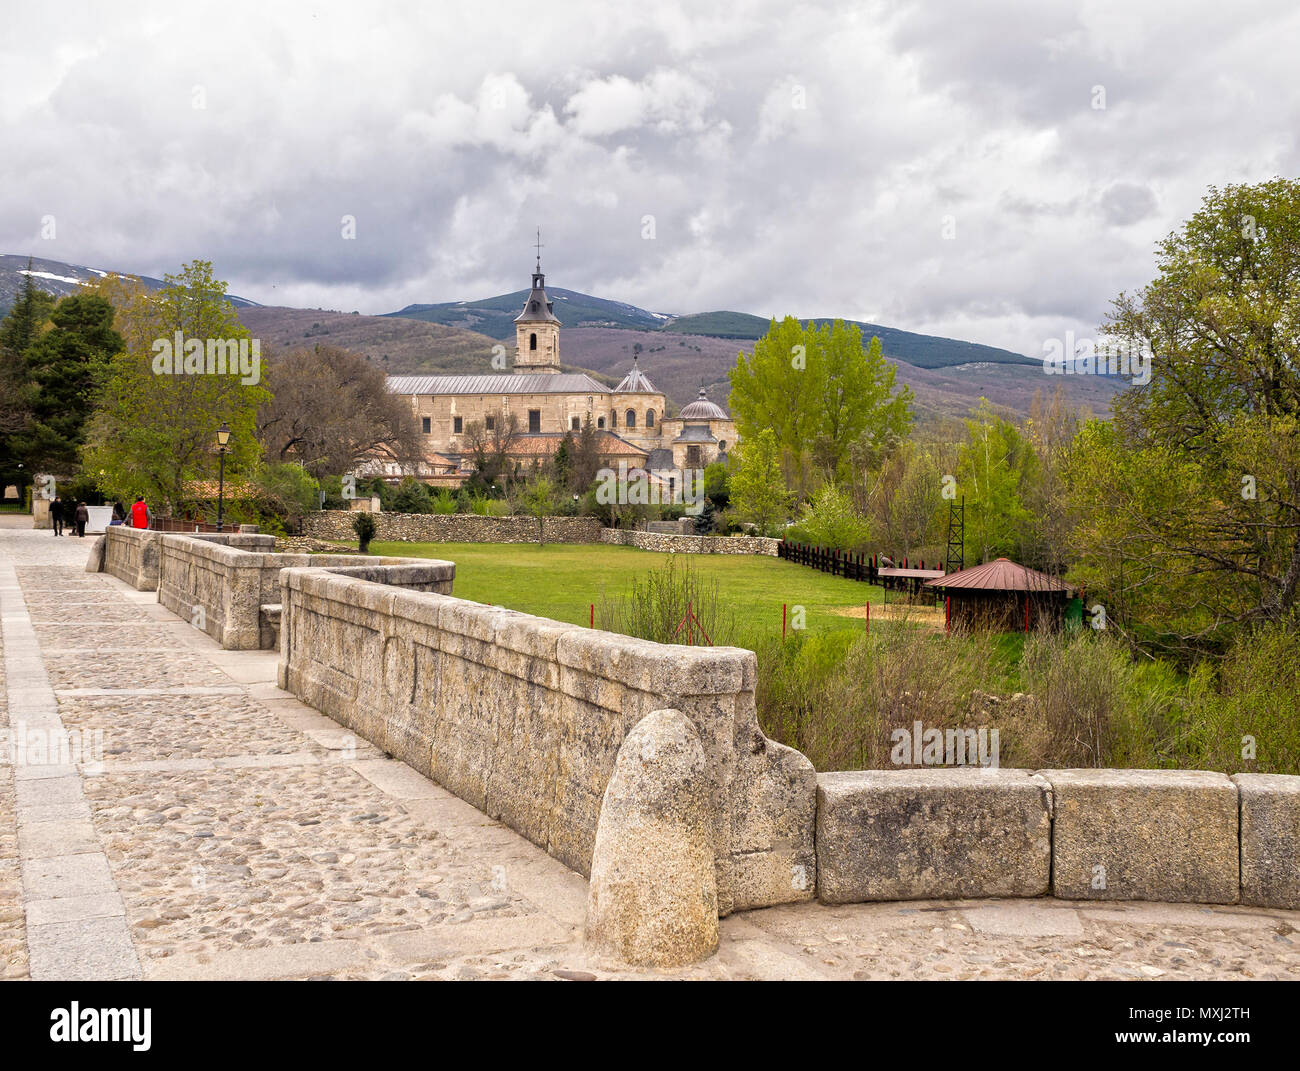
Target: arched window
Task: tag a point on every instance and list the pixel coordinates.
(600, 422)
(631, 418)
(532, 341)
(649, 418)
(613, 419)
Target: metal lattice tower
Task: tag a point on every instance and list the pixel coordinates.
(955, 559)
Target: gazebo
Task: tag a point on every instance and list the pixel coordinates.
(1005, 596)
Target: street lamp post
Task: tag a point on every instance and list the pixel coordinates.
(223, 440)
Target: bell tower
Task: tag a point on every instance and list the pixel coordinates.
(537, 329)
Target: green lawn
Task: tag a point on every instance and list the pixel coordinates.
(561, 581)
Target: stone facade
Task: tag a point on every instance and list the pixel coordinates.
(544, 399)
(524, 718)
(454, 528)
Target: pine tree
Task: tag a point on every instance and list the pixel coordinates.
(63, 369)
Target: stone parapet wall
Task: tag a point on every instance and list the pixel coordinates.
(689, 544)
(453, 528)
(132, 554)
(221, 589)
(524, 718)
(1170, 835)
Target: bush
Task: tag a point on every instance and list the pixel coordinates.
(838, 697)
(364, 526)
(831, 521)
(443, 503)
(286, 490)
(411, 497)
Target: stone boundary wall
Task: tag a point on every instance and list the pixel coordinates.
(221, 589)
(131, 554)
(471, 528)
(1178, 836)
(453, 528)
(524, 718)
(690, 544)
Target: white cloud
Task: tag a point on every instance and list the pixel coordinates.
(451, 132)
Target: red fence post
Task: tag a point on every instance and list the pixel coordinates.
(593, 615)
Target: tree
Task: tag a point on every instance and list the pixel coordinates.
(64, 367)
(539, 500)
(412, 497)
(821, 394)
(1189, 501)
(286, 489)
(995, 466)
(330, 409)
(27, 319)
(488, 446)
(154, 430)
(758, 491)
(830, 520)
(19, 330)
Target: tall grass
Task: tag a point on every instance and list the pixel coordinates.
(656, 607)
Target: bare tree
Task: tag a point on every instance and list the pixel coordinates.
(330, 409)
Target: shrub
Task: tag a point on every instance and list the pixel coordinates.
(364, 526)
(443, 503)
(831, 521)
(411, 497)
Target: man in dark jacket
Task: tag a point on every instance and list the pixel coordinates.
(83, 516)
(56, 515)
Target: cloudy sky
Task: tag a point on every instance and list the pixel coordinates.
(993, 171)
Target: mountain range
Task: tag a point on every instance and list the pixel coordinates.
(680, 353)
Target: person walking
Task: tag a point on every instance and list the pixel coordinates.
(56, 515)
(83, 516)
(140, 513)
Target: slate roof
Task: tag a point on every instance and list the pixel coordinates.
(702, 409)
(505, 383)
(635, 382)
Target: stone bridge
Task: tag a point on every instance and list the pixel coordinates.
(175, 809)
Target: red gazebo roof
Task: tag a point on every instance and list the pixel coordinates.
(1000, 575)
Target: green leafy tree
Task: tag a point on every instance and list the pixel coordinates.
(153, 433)
(539, 500)
(996, 466)
(287, 488)
(1188, 502)
(25, 322)
(19, 330)
(822, 395)
(830, 520)
(758, 490)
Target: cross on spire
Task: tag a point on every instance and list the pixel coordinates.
(539, 248)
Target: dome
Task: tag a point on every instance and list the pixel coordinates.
(703, 409)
